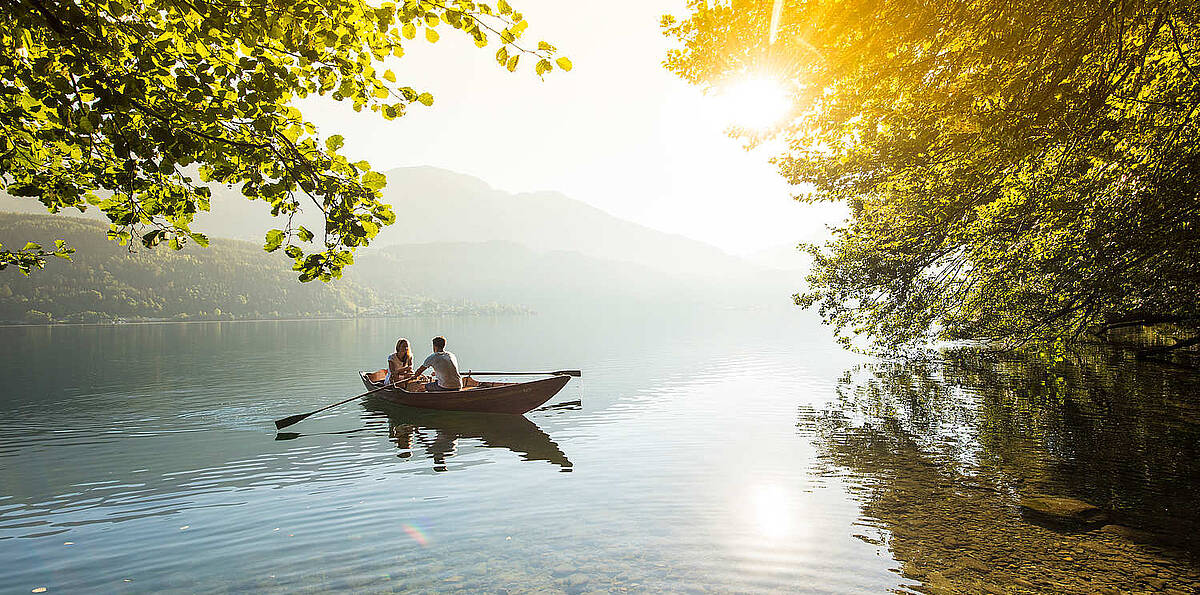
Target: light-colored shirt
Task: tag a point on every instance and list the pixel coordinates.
(445, 366)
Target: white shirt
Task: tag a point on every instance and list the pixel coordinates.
(445, 365)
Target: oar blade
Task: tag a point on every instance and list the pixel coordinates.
(291, 419)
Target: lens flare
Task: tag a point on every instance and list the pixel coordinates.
(755, 103)
(416, 534)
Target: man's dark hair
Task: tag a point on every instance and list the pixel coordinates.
(439, 342)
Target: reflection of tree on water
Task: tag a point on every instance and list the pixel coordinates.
(438, 433)
(945, 448)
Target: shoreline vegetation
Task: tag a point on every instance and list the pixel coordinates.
(1022, 181)
(120, 322)
(105, 283)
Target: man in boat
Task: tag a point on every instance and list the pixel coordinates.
(445, 367)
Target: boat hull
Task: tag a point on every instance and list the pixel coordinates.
(514, 398)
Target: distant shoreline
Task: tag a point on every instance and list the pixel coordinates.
(306, 319)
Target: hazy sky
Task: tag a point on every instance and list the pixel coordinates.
(618, 131)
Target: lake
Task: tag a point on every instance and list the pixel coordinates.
(724, 451)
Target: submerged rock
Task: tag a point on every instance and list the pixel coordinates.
(1059, 510)
(1131, 534)
(976, 565)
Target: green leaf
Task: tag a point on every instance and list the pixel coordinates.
(374, 180)
(274, 240)
(153, 238)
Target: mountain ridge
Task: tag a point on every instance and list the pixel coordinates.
(544, 219)
(438, 205)
(228, 280)
(458, 238)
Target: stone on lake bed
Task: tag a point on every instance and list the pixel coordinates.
(1131, 534)
(974, 564)
(1062, 511)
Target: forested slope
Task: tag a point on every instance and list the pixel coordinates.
(228, 280)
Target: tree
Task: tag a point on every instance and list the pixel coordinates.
(122, 104)
(1015, 171)
(38, 317)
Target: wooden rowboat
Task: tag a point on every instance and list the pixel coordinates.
(485, 397)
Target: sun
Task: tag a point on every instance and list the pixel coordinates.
(755, 103)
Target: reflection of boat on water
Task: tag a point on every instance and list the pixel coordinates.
(438, 432)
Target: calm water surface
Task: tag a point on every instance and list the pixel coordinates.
(733, 451)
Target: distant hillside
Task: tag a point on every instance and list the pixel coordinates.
(510, 273)
(434, 205)
(439, 206)
(230, 279)
(787, 257)
(554, 281)
(457, 238)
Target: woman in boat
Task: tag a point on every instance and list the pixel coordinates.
(399, 363)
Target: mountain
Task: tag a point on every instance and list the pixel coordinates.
(785, 257)
(458, 238)
(508, 272)
(232, 216)
(435, 205)
(230, 279)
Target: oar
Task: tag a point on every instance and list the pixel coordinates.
(575, 373)
(287, 421)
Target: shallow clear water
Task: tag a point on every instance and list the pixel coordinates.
(731, 451)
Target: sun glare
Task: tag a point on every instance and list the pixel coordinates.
(755, 103)
(770, 504)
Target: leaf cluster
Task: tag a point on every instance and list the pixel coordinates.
(33, 256)
(134, 107)
(1015, 172)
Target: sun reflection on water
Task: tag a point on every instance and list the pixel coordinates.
(771, 511)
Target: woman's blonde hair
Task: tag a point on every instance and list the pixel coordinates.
(405, 352)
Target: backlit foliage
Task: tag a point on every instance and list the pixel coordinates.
(121, 104)
(1015, 171)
